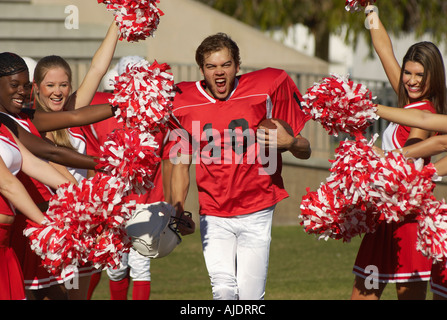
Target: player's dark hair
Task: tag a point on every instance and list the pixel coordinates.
(11, 63)
(428, 55)
(216, 43)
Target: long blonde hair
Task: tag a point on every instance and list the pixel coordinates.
(61, 137)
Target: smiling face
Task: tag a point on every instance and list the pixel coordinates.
(54, 90)
(413, 80)
(219, 71)
(14, 89)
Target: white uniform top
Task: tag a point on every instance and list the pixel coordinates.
(395, 135)
(78, 142)
(10, 154)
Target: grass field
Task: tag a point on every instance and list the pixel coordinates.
(301, 268)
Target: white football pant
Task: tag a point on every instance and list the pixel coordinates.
(236, 252)
(139, 267)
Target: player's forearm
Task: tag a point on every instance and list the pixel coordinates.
(179, 186)
(166, 167)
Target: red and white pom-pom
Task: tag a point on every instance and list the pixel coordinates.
(317, 213)
(357, 5)
(113, 241)
(143, 95)
(327, 213)
(432, 230)
(137, 19)
(340, 209)
(77, 217)
(399, 186)
(131, 157)
(340, 105)
(351, 169)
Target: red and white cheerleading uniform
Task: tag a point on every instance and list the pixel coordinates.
(35, 275)
(11, 277)
(392, 247)
(226, 189)
(438, 281)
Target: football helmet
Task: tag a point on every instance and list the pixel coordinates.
(153, 229)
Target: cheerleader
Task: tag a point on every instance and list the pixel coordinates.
(14, 79)
(52, 92)
(13, 158)
(429, 147)
(419, 84)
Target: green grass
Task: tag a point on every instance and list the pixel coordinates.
(301, 268)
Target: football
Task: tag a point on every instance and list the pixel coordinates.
(267, 123)
(152, 230)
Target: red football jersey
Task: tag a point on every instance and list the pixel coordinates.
(234, 175)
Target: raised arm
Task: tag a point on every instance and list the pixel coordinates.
(98, 68)
(383, 47)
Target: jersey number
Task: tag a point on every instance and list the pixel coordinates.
(241, 124)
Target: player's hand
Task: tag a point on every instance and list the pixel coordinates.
(277, 138)
(185, 223)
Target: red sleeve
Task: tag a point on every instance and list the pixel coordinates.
(286, 101)
(96, 133)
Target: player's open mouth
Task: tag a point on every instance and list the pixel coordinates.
(221, 85)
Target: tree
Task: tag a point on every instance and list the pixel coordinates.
(326, 17)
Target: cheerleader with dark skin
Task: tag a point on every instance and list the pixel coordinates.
(26, 125)
(14, 81)
(13, 158)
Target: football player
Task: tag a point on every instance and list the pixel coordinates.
(237, 194)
